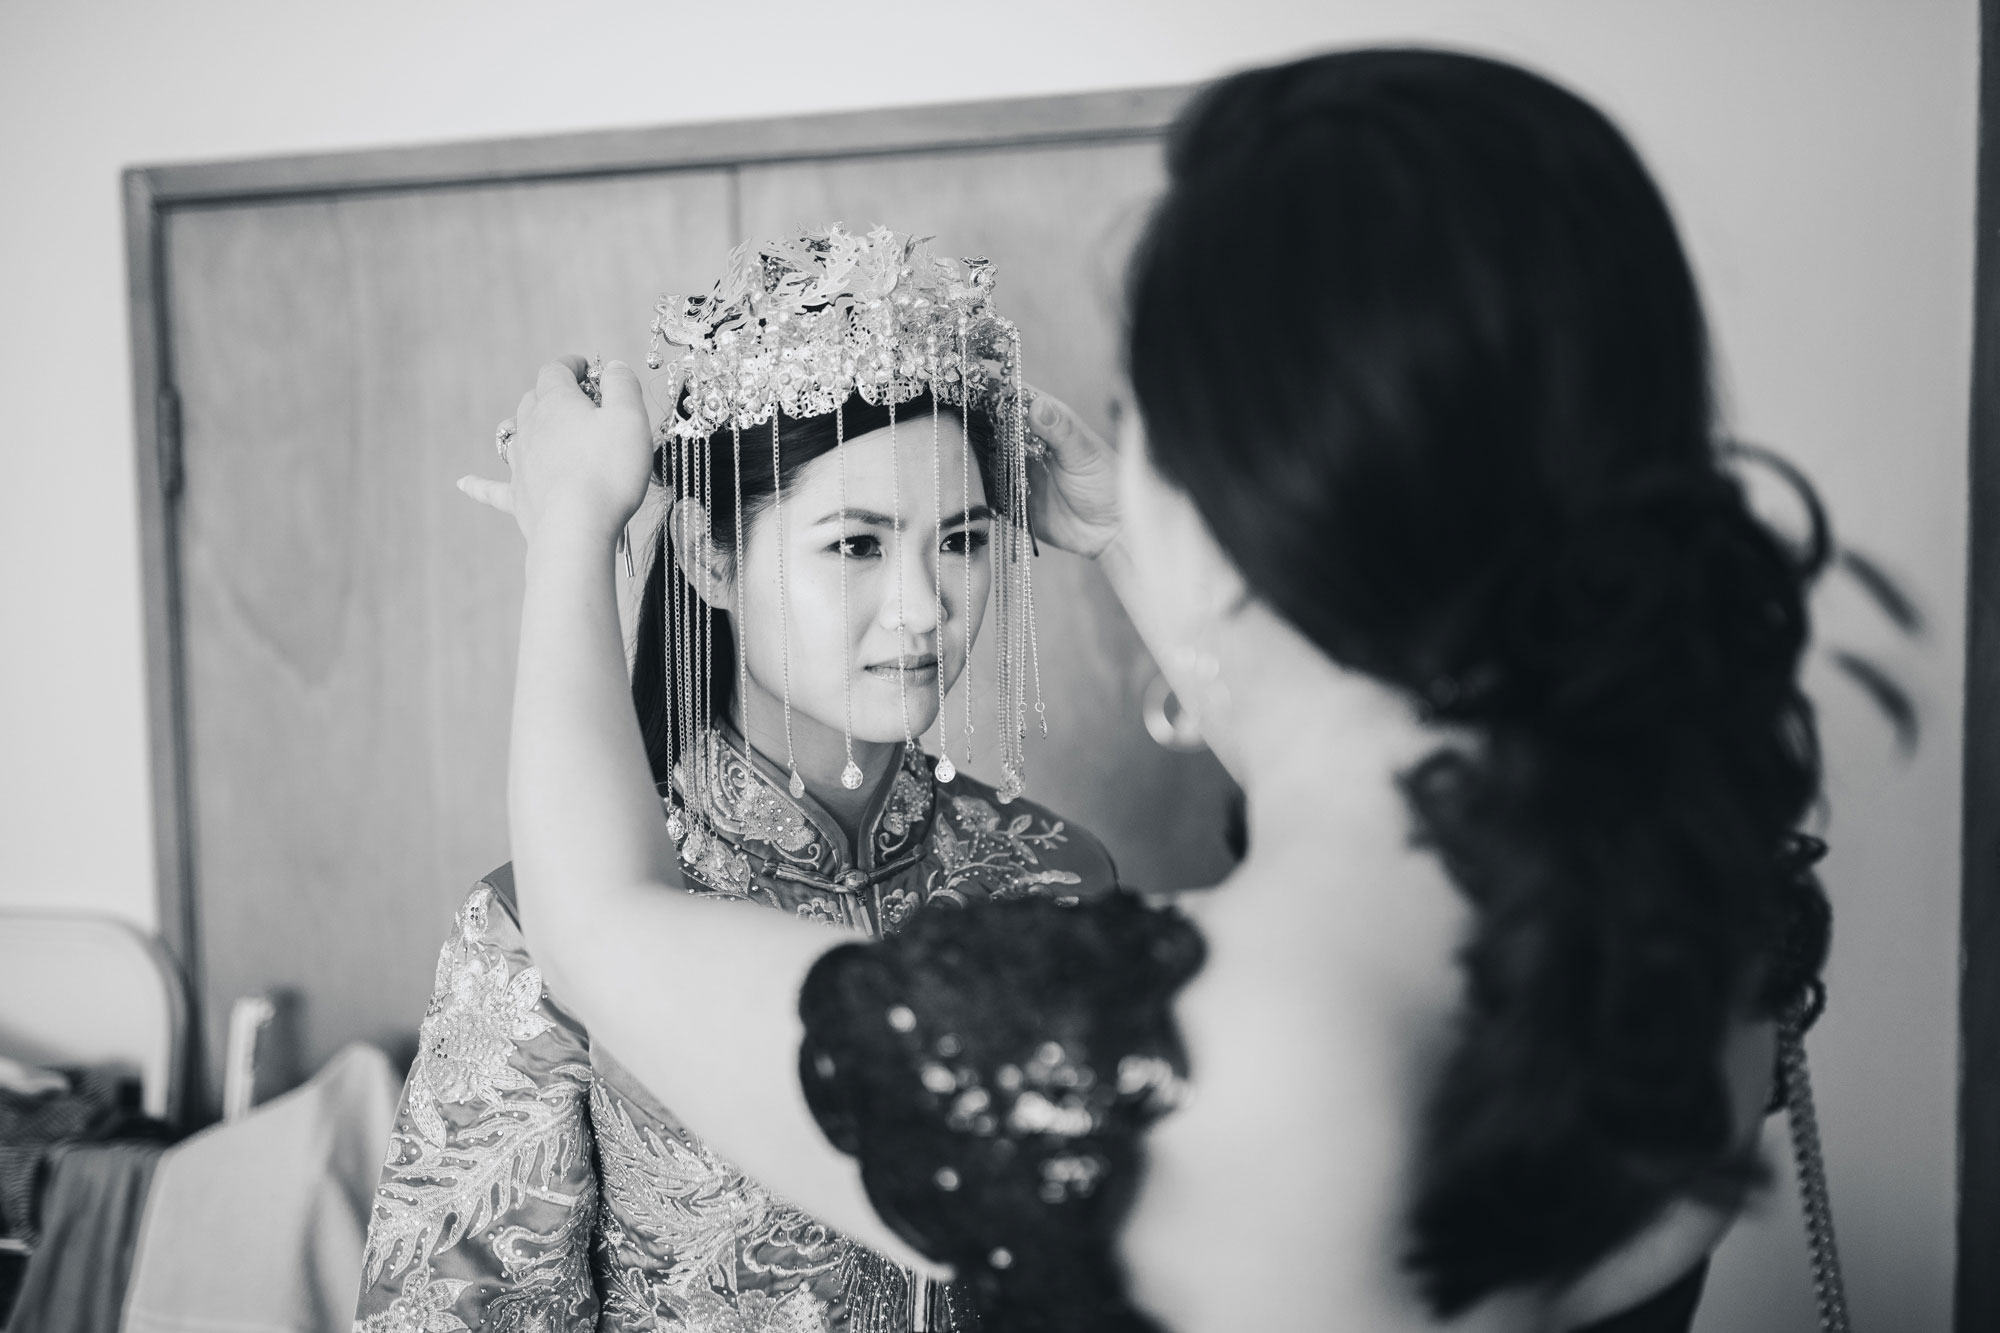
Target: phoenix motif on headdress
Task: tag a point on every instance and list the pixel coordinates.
(801, 323)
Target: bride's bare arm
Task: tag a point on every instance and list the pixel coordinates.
(697, 999)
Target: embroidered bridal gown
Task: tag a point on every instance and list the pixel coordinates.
(532, 1184)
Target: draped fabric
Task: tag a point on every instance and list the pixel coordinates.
(96, 1197)
(255, 1225)
(532, 1184)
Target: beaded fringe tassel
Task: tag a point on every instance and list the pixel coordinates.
(796, 326)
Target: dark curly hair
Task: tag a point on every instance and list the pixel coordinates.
(1415, 332)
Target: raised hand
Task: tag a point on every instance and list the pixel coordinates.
(573, 464)
(1073, 486)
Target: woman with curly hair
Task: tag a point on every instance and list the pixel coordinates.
(1423, 508)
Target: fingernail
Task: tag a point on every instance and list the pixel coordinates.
(616, 365)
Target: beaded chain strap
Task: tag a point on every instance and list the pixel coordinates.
(1829, 1291)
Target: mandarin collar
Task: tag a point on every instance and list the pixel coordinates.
(748, 803)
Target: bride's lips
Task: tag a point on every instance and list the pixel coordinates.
(923, 665)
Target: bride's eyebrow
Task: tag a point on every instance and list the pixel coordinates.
(869, 518)
(964, 516)
(856, 518)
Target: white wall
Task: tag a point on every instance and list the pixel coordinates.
(1819, 153)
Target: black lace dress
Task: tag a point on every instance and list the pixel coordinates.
(994, 1071)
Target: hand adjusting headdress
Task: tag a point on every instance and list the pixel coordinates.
(796, 326)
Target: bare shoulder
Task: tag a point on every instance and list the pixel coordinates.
(1288, 1147)
(1312, 1035)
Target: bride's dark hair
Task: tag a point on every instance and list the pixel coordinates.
(800, 440)
(1416, 334)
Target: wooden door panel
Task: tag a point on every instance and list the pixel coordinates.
(349, 618)
(1058, 221)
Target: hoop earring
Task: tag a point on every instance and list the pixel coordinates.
(1171, 724)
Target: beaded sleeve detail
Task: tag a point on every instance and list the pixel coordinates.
(994, 1072)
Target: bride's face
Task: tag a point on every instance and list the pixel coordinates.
(912, 536)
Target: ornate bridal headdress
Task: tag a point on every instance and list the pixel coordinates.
(797, 326)
(800, 324)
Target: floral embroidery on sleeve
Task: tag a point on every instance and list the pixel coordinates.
(423, 1306)
(487, 1197)
(972, 843)
(476, 1015)
(695, 1243)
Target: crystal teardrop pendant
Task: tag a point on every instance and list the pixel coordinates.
(850, 777)
(945, 771)
(696, 844)
(797, 787)
(676, 825)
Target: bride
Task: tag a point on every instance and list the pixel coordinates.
(825, 561)
(1421, 506)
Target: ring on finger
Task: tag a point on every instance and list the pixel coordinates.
(503, 436)
(1037, 441)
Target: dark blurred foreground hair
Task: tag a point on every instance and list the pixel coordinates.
(1416, 334)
